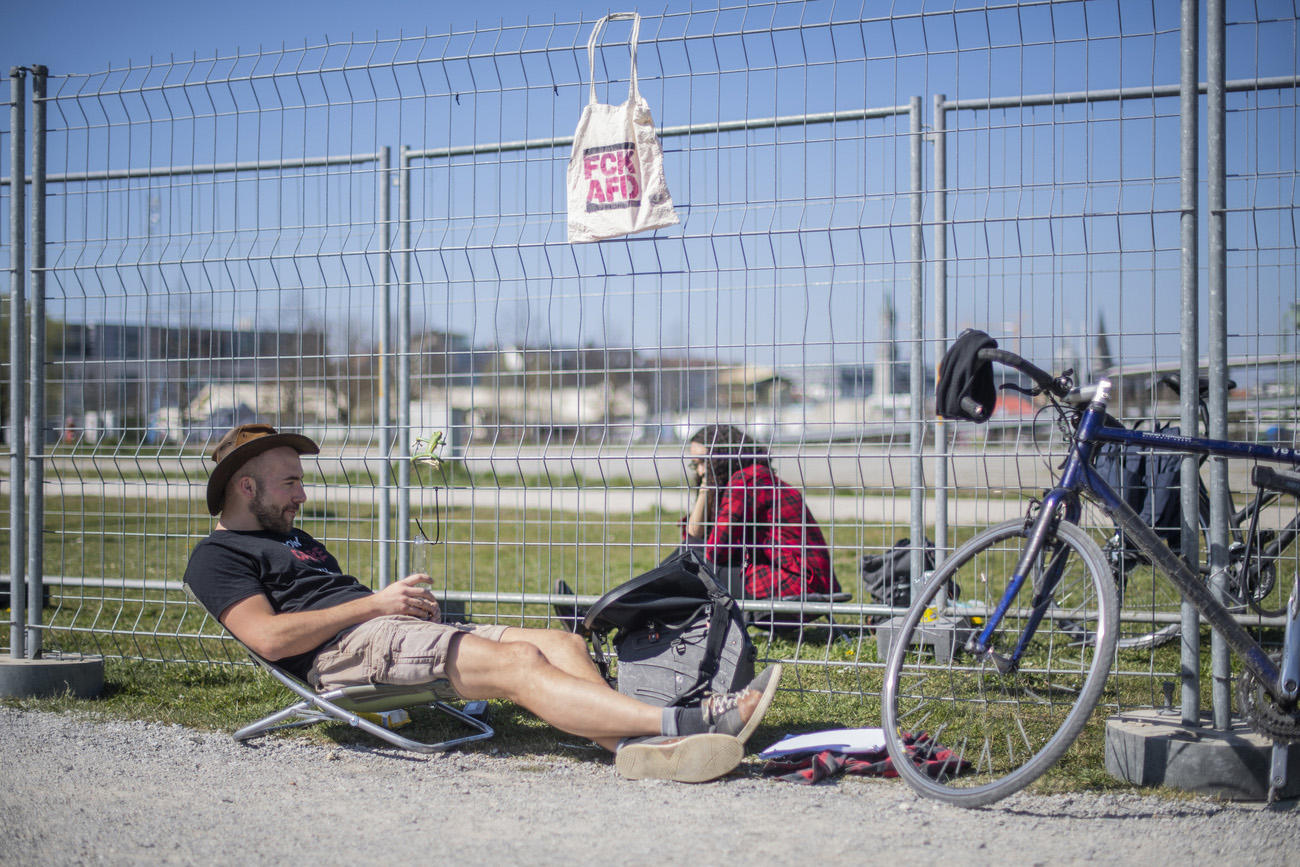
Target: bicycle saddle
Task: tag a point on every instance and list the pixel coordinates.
(1171, 380)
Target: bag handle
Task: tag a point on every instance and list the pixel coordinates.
(721, 605)
(635, 18)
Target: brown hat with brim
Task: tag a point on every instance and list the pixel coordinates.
(241, 445)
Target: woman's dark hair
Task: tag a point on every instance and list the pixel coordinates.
(729, 450)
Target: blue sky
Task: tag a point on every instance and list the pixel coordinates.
(1063, 214)
(90, 35)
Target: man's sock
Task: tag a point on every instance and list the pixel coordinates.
(684, 721)
(668, 725)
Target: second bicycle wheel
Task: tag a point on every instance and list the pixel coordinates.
(991, 732)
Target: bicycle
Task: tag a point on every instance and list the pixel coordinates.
(1250, 572)
(1034, 668)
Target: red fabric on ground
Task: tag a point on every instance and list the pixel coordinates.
(934, 759)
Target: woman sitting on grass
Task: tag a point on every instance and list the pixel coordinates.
(754, 528)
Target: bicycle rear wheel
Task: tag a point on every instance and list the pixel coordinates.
(1146, 602)
(1256, 583)
(1001, 731)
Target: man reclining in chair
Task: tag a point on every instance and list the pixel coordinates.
(282, 594)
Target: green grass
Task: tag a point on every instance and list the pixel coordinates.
(827, 685)
(205, 683)
(817, 694)
(226, 697)
(489, 551)
(130, 462)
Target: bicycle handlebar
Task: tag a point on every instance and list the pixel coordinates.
(966, 387)
(1044, 380)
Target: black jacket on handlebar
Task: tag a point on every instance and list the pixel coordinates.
(965, 389)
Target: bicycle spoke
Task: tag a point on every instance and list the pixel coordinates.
(1005, 724)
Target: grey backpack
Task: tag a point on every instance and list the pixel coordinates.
(677, 634)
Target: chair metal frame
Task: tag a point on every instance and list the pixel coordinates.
(346, 704)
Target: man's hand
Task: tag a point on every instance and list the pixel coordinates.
(410, 596)
(275, 636)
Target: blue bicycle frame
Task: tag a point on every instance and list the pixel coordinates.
(1062, 503)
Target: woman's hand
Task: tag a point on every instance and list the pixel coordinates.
(697, 523)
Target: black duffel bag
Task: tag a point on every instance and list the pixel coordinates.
(677, 634)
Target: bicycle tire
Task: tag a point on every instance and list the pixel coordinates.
(1138, 627)
(1255, 581)
(1010, 727)
(1136, 631)
(1249, 585)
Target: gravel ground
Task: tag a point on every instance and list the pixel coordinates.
(76, 791)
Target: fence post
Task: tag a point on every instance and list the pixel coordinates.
(1220, 504)
(939, 138)
(404, 370)
(36, 365)
(1190, 367)
(917, 369)
(17, 360)
(385, 383)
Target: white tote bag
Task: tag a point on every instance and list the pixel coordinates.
(616, 169)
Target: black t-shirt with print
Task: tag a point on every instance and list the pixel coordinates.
(294, 572)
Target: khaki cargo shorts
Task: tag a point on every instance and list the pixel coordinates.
(395, 649)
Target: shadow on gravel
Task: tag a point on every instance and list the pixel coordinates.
(1168, 804)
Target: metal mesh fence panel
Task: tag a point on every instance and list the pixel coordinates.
(212, 237)
(1065, 207)
(366, 241)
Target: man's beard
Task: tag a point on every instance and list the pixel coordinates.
(268, 517)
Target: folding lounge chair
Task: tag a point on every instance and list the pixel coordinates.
(345, 704)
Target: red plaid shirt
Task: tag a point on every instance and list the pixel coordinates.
(762, 523)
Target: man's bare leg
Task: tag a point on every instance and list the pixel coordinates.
(578, 701)
(550, 674)
(564, 650)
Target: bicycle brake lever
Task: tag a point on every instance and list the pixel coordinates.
(1027, 392)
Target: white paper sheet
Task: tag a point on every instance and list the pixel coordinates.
(840, 740)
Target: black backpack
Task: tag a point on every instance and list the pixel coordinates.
(1150, 482)
(888, 576)
(677, 634)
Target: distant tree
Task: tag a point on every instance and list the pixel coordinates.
(1103, 358)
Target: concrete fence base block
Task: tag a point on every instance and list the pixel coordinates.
(944, 634)
(1154, 748)
(83, 676)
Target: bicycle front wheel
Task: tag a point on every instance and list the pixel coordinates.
(991, 729)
